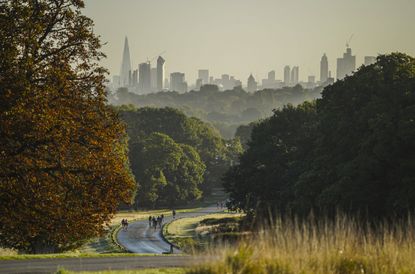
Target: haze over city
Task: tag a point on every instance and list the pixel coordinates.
(207, 136)
(244, 37)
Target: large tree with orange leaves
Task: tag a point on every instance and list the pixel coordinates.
(63, 162)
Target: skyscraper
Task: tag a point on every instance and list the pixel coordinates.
(324, 69)
(153, 74)
(295, 71)
(160, 73)
(144, 77)
(270, 82)
(271, 75)
(287, 71)
(204, 75)
(125, 65)
(346, 65)
(252, 84)
(177, 82)
(199, 83)
(134, 78)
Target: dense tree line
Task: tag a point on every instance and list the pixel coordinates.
(352, 150)
(63, 156)
(175, 158)
(225, 110)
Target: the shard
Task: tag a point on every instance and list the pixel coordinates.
(125, 65)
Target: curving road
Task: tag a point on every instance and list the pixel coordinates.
(140, 238)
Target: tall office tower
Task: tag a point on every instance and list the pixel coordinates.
(370, 60)
(125, 65)
(204, 75)
(346, 65)
(166, 83)
(271, 75)
(177, 82)
(295, 71)
(199, 83)
(252, 84)
(270, 82)
(144, 77)
(153, 74)
(134, 81)
(287, 71)
(160, 73)
(324, 69)
(226, 82)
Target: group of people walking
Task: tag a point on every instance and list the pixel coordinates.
(155, 222)
(124, 224)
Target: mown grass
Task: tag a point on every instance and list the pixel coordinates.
(107, 244)
(341, 247)
(141, 271)
(73, 255)
(194, 232)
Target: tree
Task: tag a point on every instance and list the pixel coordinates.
(212, 149)
(226, 110)
(243, 132)
(170, 173)
(263, 181)
(63, 154)
(350, 151)
(364, 158)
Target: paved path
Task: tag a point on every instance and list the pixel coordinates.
(140, 238)
(40, 266)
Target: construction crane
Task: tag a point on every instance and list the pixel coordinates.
(348, 41)
(152, 59)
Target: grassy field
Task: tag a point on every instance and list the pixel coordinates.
(73, 255)
(196, 232)
(341, 247)
(107, 244)
(142, 271)
(100, 245)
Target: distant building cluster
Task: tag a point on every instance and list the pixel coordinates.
(147, 79)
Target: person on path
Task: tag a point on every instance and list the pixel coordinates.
(126, 225)
(154, 223)
(150, 219)
(174, 214)
(159, 221)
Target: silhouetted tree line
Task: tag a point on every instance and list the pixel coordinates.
(353, 150)
(175, 159)
(225, 110)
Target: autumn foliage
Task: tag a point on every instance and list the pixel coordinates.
(63, 159)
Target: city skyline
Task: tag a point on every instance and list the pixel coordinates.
(147, 79)
(247, 37)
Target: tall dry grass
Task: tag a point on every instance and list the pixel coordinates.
(319, 246)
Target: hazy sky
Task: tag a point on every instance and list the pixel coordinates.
(239, 37)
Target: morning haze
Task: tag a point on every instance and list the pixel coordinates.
(242, 37)
(245, 135)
